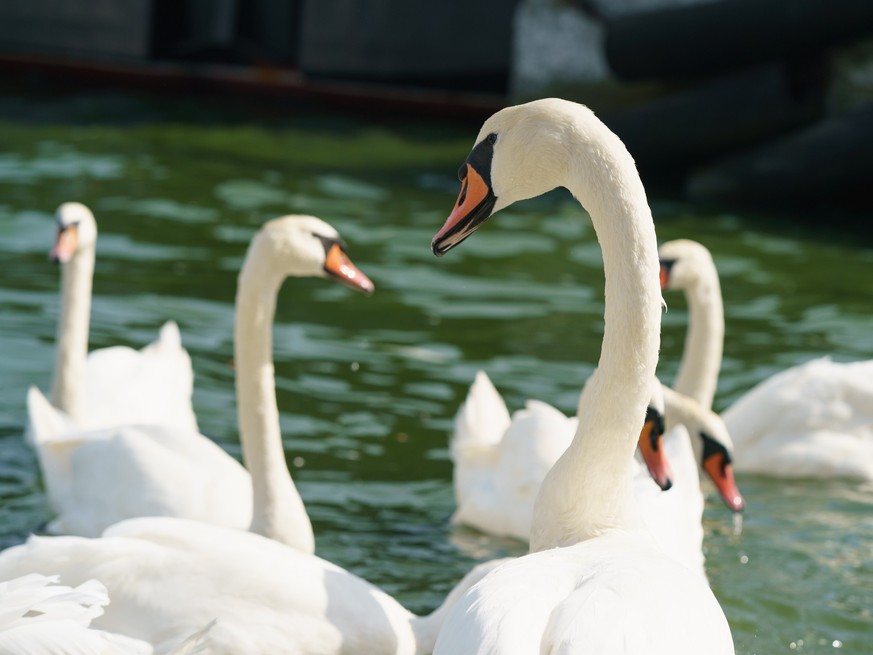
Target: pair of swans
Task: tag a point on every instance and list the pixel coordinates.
(169, 577)
(811, 420)
(96, 478)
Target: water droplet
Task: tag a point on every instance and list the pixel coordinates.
(837, 643)
(354, 366)
(298, 462)
(792, 645)
(744, 559)
(737, 524)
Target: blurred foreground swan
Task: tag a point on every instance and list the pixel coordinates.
(116, 385)
(169, 577)
(594, 581)
(38, 616)
(811, 420)
(95, 479)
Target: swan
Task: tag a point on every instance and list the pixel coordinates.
(116, 385)
(40, 616)
(95, 479)
(170, 576)
(811, 420)
(594, 581)
(496, 480)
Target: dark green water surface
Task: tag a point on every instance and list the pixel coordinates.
(368, 386)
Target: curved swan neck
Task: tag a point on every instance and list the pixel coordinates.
(588, 491)
(701, 357)
(278, 511)
(68, 388)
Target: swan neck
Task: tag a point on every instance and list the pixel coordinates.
(69, 385)
(701, 358)
(588, 491)
(278, 511)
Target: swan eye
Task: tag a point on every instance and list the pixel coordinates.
(491, 139)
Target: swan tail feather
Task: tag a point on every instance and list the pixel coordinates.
(482, 419)
(45, 422)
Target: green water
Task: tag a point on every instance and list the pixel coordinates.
(368, 386)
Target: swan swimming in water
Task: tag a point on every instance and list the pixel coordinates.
(95, 479)
(594, 581)
(168, 577)
(811, 420)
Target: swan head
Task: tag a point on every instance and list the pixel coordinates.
(306, 246)
(685, 264)
(710, 440)
(713, 447)
(77, 231)
(521, 152)
(651, 443)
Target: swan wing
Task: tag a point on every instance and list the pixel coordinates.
(496, 493)
(96, 478)
(613, 594)
(151, 385)
(814, 419)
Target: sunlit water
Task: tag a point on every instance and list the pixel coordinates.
(368, 386)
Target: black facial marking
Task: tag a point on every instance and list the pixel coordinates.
(668, 264)
(480, 158)
(655, 417)
(328, 242)
(712, 447)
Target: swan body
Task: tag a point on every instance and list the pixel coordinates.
(168, 577)
(594, 581)
(117, 385)
(97, 478)
(812, 420)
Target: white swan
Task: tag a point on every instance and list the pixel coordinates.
(96, 479)
(169, 577)
(594, 582)
(117, 385)
(811, 420)
(38, 616)
(496, 481)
